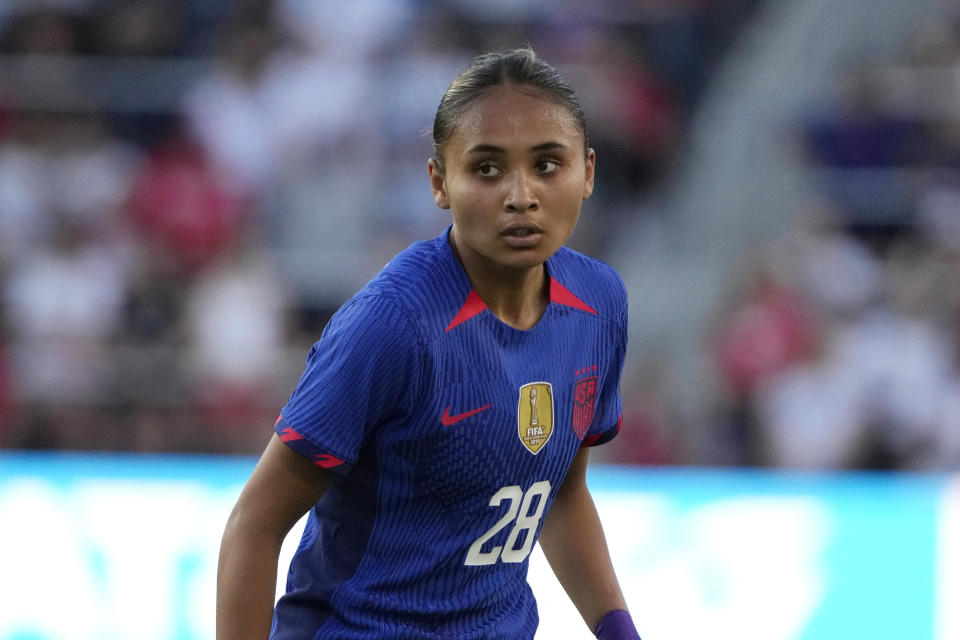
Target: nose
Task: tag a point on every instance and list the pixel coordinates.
(521, 195)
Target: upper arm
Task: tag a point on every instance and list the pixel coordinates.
(282, 487)
(576, 478)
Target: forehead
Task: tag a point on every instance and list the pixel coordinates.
(515, 116)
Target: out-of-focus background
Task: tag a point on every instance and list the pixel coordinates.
(190, 188)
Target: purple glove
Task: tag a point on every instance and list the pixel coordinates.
(616, 625)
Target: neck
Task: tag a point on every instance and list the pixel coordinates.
(517, 296)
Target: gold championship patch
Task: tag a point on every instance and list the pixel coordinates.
(535, 415)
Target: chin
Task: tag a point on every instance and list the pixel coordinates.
(525, 259)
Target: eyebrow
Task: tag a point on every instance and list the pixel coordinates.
(489, 148)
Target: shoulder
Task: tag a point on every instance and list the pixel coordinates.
(423, 283)
(367, 326)
(410, 269)
(593, 281)
(392, 303)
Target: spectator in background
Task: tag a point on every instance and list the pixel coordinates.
(414, 81)
(648, 435)
(768, 328)
(180, 209)
(859, 132)
(64, 301)
(808, 415)
(639, 125)
(902, 359)
(224, 111)
(235, 312)
(833, 269)
(23, 219)
(6, 393)
(88, 172)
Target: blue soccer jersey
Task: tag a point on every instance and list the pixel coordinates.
(454, 432)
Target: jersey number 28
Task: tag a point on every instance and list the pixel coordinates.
(526, 522)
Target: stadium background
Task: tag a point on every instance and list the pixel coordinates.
(189, 189)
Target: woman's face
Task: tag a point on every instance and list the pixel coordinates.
(514, 177)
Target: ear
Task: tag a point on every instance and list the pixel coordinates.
(590, 163)
(437, 183)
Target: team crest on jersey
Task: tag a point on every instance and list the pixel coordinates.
(535, 415)
(584, 397)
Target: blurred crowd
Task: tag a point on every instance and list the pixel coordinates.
(841, 348)
(188, 189)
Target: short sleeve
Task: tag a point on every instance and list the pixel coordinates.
(358, 376)
(609, 407)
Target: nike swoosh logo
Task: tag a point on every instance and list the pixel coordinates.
(448, 419)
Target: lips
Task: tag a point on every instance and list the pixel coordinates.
(522, 229)
(522, 235)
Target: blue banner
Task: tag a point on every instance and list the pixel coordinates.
(108, 546)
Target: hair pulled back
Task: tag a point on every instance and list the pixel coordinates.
(519, 67)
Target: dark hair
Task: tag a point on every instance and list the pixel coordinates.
(519, 67)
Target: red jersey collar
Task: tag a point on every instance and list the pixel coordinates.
(559, 294)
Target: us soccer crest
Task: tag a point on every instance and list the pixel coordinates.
(584, 397)
(535, 415)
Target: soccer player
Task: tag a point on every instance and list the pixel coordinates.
(443, 422)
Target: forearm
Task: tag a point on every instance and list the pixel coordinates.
(573, 542)
(282, 487)
(246, 582)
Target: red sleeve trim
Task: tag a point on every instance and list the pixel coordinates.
(326, 461)
(315, 454)
(288, 434)
(604, 436)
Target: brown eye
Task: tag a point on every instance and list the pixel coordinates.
(488, 170)
(547, 166)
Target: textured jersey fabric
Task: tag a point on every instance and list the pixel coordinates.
(453, 432)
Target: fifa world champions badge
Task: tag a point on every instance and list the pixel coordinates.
(535, 415)
(584, 397)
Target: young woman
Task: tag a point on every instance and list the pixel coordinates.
(443, 422)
